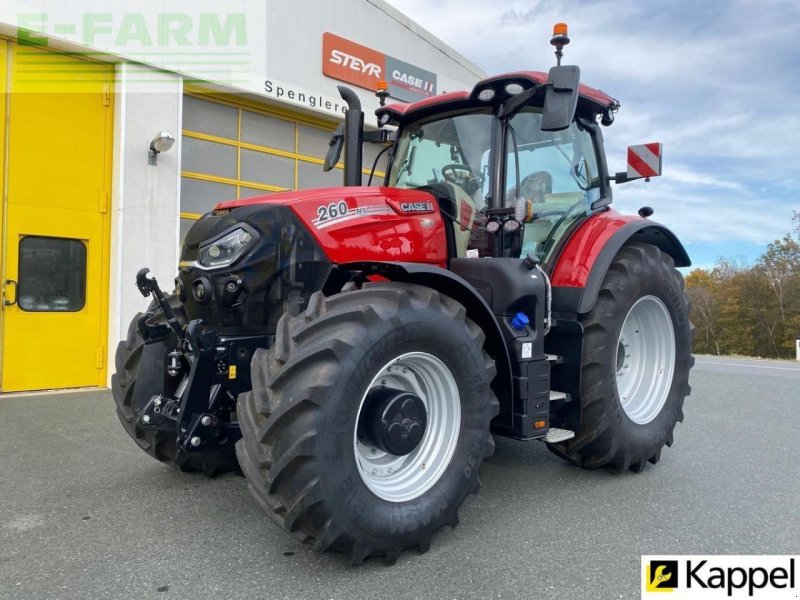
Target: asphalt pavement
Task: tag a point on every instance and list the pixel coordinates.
(85, 514)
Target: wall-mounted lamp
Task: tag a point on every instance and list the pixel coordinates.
(161, 143)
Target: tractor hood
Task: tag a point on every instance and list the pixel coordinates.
(353, 224)
(250, 261)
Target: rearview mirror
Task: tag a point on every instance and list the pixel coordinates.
(335, 151)
(561, 97)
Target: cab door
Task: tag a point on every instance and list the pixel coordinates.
(55, 243)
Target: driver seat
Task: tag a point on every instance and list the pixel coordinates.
(535, 186)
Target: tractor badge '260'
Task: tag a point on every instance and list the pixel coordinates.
(353, 355)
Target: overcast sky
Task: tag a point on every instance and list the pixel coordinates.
(717, 81)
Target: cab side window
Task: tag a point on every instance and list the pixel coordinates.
(558, 178)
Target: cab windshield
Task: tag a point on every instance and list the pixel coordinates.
(448, 150)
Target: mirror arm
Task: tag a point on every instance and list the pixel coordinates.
(623, 178)
(512, 106)
(381, 136)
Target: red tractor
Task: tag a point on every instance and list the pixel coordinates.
(358, 346)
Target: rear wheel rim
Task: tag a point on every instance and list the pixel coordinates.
(645, 361)
(403, 478)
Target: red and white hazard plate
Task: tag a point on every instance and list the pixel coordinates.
(644, 160)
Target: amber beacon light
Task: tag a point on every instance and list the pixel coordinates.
(382, 92)
(559, 40)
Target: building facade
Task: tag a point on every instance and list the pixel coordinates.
(247, 89)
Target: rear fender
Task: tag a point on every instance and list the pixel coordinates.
(451, 285)
(584, 262)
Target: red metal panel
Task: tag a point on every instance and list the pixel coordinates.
(401, 109)
(579, 255)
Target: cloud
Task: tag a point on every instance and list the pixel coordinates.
(699, 216)
(685, 174)
(714, 80)
(513, 16)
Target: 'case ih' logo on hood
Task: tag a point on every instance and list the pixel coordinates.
(347, 61)
(416, 207)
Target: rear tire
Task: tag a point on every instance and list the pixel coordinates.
(299, 421)
(161, 445)
(635, 366)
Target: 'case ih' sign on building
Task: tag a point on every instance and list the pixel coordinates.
(347, 61)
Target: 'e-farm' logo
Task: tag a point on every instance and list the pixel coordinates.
(139, 30)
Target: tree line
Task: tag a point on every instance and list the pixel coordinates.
(750, 310)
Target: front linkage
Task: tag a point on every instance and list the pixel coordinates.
(204, 374)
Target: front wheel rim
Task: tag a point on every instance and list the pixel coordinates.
(645, 361)
(403, 478)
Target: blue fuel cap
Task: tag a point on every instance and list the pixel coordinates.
(520, 321)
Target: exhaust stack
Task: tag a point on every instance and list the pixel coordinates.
(353, 137)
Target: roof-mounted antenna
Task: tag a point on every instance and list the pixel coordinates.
(559, 40)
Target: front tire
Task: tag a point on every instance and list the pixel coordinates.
(635, 366)
(302, 452)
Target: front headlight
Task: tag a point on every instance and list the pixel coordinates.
(225, 250)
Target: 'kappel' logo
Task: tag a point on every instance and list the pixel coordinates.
(662, 575)
(760, 577)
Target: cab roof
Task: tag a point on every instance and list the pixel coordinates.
(591, 101)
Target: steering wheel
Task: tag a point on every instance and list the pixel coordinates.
(449, 173)
(466, 179)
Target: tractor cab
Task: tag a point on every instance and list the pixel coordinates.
(508, 187)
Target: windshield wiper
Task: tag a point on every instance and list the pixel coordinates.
(517, 191)
(408, 164)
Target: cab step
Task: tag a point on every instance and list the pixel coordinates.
(554, 358)
(555, 436)
(554, 396)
